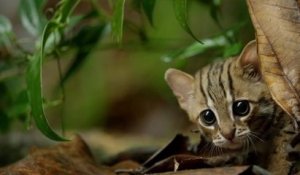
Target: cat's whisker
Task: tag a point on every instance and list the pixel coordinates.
(252, 143)
(214, 151)
(205, 149)
(254, 135)
(246, 143)
(219, 151)
(210, 149)
(243, 145)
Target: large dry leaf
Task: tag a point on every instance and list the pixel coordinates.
(277, 25)
(69, 158)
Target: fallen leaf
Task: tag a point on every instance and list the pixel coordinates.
(277, 25)
(237, 170)
(69, 158)
(177, 162)
(176, 165)
(178, 145)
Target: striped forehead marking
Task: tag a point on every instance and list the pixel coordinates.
(216, 86)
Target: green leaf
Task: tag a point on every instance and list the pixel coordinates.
(48, 38)
(148, 7)
(5, 25)
(197, 48)
(53, 29)
(33, 76)
(180, 9)
(225, 40)
(32, 17)
(33, 80)
(117, 20)
(215, 10)
(5, 31)
(66, 8)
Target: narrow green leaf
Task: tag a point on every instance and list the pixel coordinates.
(53, 29)
(5, 31)
(117, 20)
(196, 48)
(66, 8)
(215, 11)
(48, 38)
(32, 17)
(33, 80)
(225, 40)
(180, 9)
(219, 41)
(148, 7)
(5, 25)
(33, 77)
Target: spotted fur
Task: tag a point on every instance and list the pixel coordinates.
(216, 87)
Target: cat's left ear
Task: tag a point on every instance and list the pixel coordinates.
(182, 85)
(249, 61)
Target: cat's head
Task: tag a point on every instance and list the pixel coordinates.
(228, 100)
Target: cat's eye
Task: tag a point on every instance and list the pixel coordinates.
(208, 117)
(241, 108)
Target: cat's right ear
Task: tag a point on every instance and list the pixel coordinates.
(182, 85)
(249, 61)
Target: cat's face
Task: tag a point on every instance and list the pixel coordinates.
(227, 100)
(231, 108)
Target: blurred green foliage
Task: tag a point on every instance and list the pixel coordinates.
(149, 34)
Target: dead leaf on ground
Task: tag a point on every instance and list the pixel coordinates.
(74, 158)
(237, 170)
(176, 163)
(277, 25)
(178, 145)
(69, 158)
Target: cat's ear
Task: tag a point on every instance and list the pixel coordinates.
(249, 61)
(182, 85)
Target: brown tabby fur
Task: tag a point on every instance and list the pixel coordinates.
(216, 87)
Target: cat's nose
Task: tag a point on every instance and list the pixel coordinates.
(229, 134)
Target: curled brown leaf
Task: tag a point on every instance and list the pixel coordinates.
(277, 25)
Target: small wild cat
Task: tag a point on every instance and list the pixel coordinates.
(230, 103)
